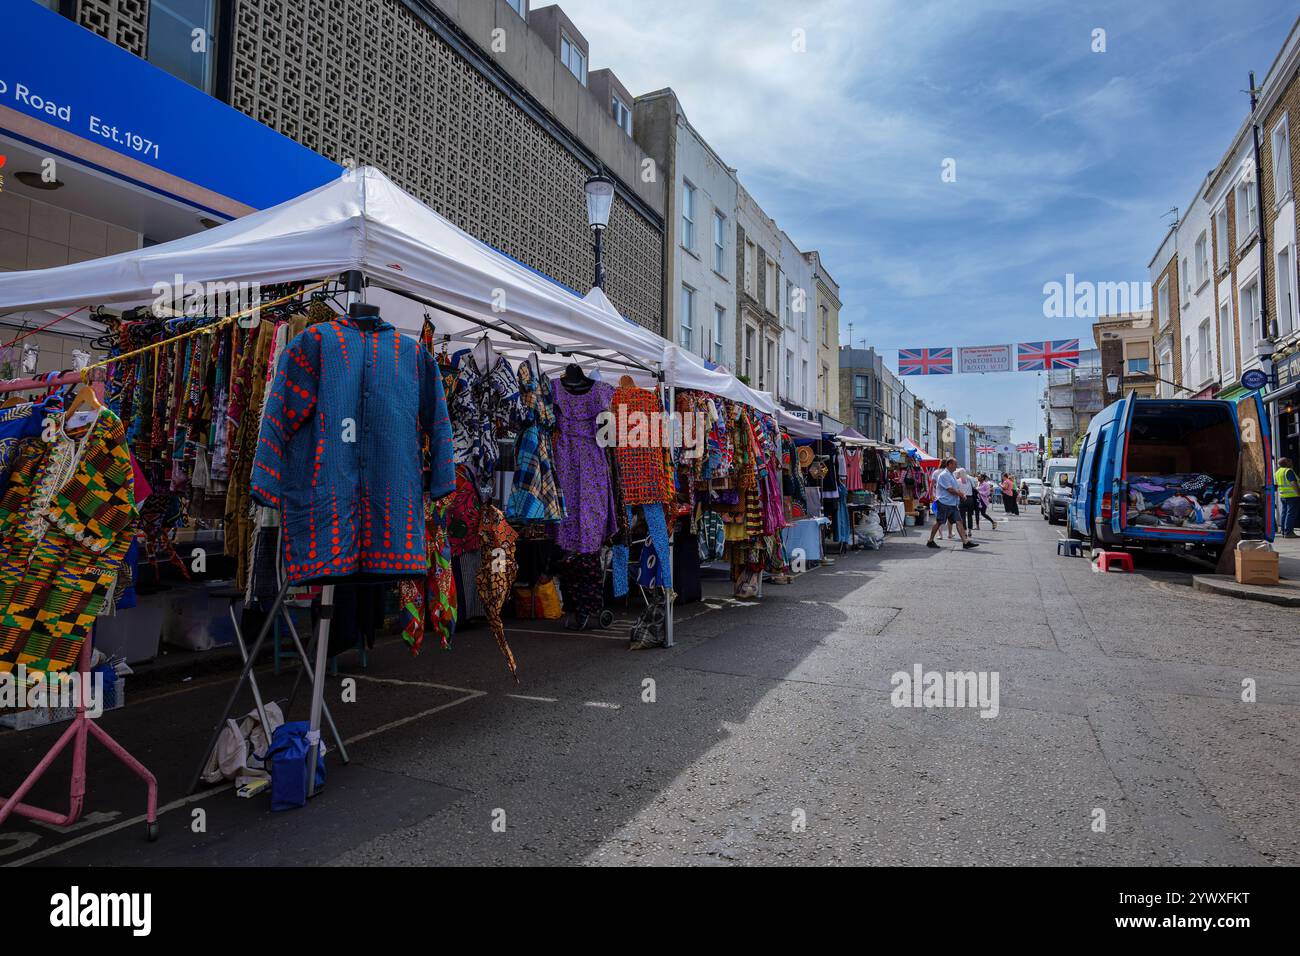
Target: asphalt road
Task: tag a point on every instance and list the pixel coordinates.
(768, 734)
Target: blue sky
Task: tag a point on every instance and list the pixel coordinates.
(1067, 160)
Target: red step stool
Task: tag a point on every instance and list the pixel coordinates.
(1119, 558)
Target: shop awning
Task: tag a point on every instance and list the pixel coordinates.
(916, 451)
(796, 426)
(360, 221)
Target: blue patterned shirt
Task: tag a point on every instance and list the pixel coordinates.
(339, 453)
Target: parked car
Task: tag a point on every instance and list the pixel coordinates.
(1031, 491)
(1057, 499)
(1157, 474)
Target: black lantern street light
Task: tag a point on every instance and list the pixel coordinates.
(600, 199)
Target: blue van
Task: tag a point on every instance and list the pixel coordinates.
(1157, 474)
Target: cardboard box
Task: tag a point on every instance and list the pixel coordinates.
(1256, 565)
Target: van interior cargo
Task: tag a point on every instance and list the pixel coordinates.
(1182, 461)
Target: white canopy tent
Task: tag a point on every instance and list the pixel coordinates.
(683, 369)
(418, 264)
(361, 221)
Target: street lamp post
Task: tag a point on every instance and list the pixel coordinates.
(600, 199)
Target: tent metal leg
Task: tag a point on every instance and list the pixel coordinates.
(244, 675)
(671, 522)
(311, 672)
(318, 684)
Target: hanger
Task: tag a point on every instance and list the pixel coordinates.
(84, 397)
(484, 353)
(575, 379)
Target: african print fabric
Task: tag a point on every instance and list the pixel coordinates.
(583, 585)
(481, 405)
(643, 466)
(496, 574)
(429, 605)
(20, 424)
(583, 469)
(339, 451)
(65, 526)
(536, 496)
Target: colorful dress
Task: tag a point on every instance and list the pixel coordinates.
(583, 469)
(66, 519)
(536, 496)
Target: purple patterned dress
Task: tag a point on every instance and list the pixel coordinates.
(583, 469)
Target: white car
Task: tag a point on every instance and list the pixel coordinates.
(1034, 488)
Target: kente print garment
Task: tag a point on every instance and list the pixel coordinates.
(339, 451)
(536, 496)
(496, 575)
(65, 525)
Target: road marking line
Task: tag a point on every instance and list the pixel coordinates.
(603, 637)
(226, 786)
(601, 704)
(542, 700)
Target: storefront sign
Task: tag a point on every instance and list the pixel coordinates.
(1287, 371)
(62, 74)
(1253, 380)
(984, 358)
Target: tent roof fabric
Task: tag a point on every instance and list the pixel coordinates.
(364, 221)
(360, 221)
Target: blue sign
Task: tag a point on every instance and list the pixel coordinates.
(1253, 380)
(62, 74)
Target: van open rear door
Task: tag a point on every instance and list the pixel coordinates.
(1257, 454)
(1254, 473)
(1116, 501)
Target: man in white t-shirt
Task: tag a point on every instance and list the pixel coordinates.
(950, 493)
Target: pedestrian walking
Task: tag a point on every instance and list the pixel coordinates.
(949, 501)
(983, 493)
(1009, 504)
(1288, 496)
(968, 497)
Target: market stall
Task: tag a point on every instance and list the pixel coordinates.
(377, 350)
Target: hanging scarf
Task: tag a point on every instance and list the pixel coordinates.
(496, 574)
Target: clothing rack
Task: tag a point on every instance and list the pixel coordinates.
(83, 726)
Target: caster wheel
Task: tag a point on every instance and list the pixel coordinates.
(606, 617)
(151, 831)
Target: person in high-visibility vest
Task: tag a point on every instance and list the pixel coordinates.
(1288, 495)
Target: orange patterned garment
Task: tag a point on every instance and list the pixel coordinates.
(643, 464)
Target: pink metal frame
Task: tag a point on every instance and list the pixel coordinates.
(82, 726)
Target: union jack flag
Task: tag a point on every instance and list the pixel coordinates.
(1027, 446)
(1041, 356)
(986, 449)
(925, 361)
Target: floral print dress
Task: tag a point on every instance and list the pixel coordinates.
(583, 469)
